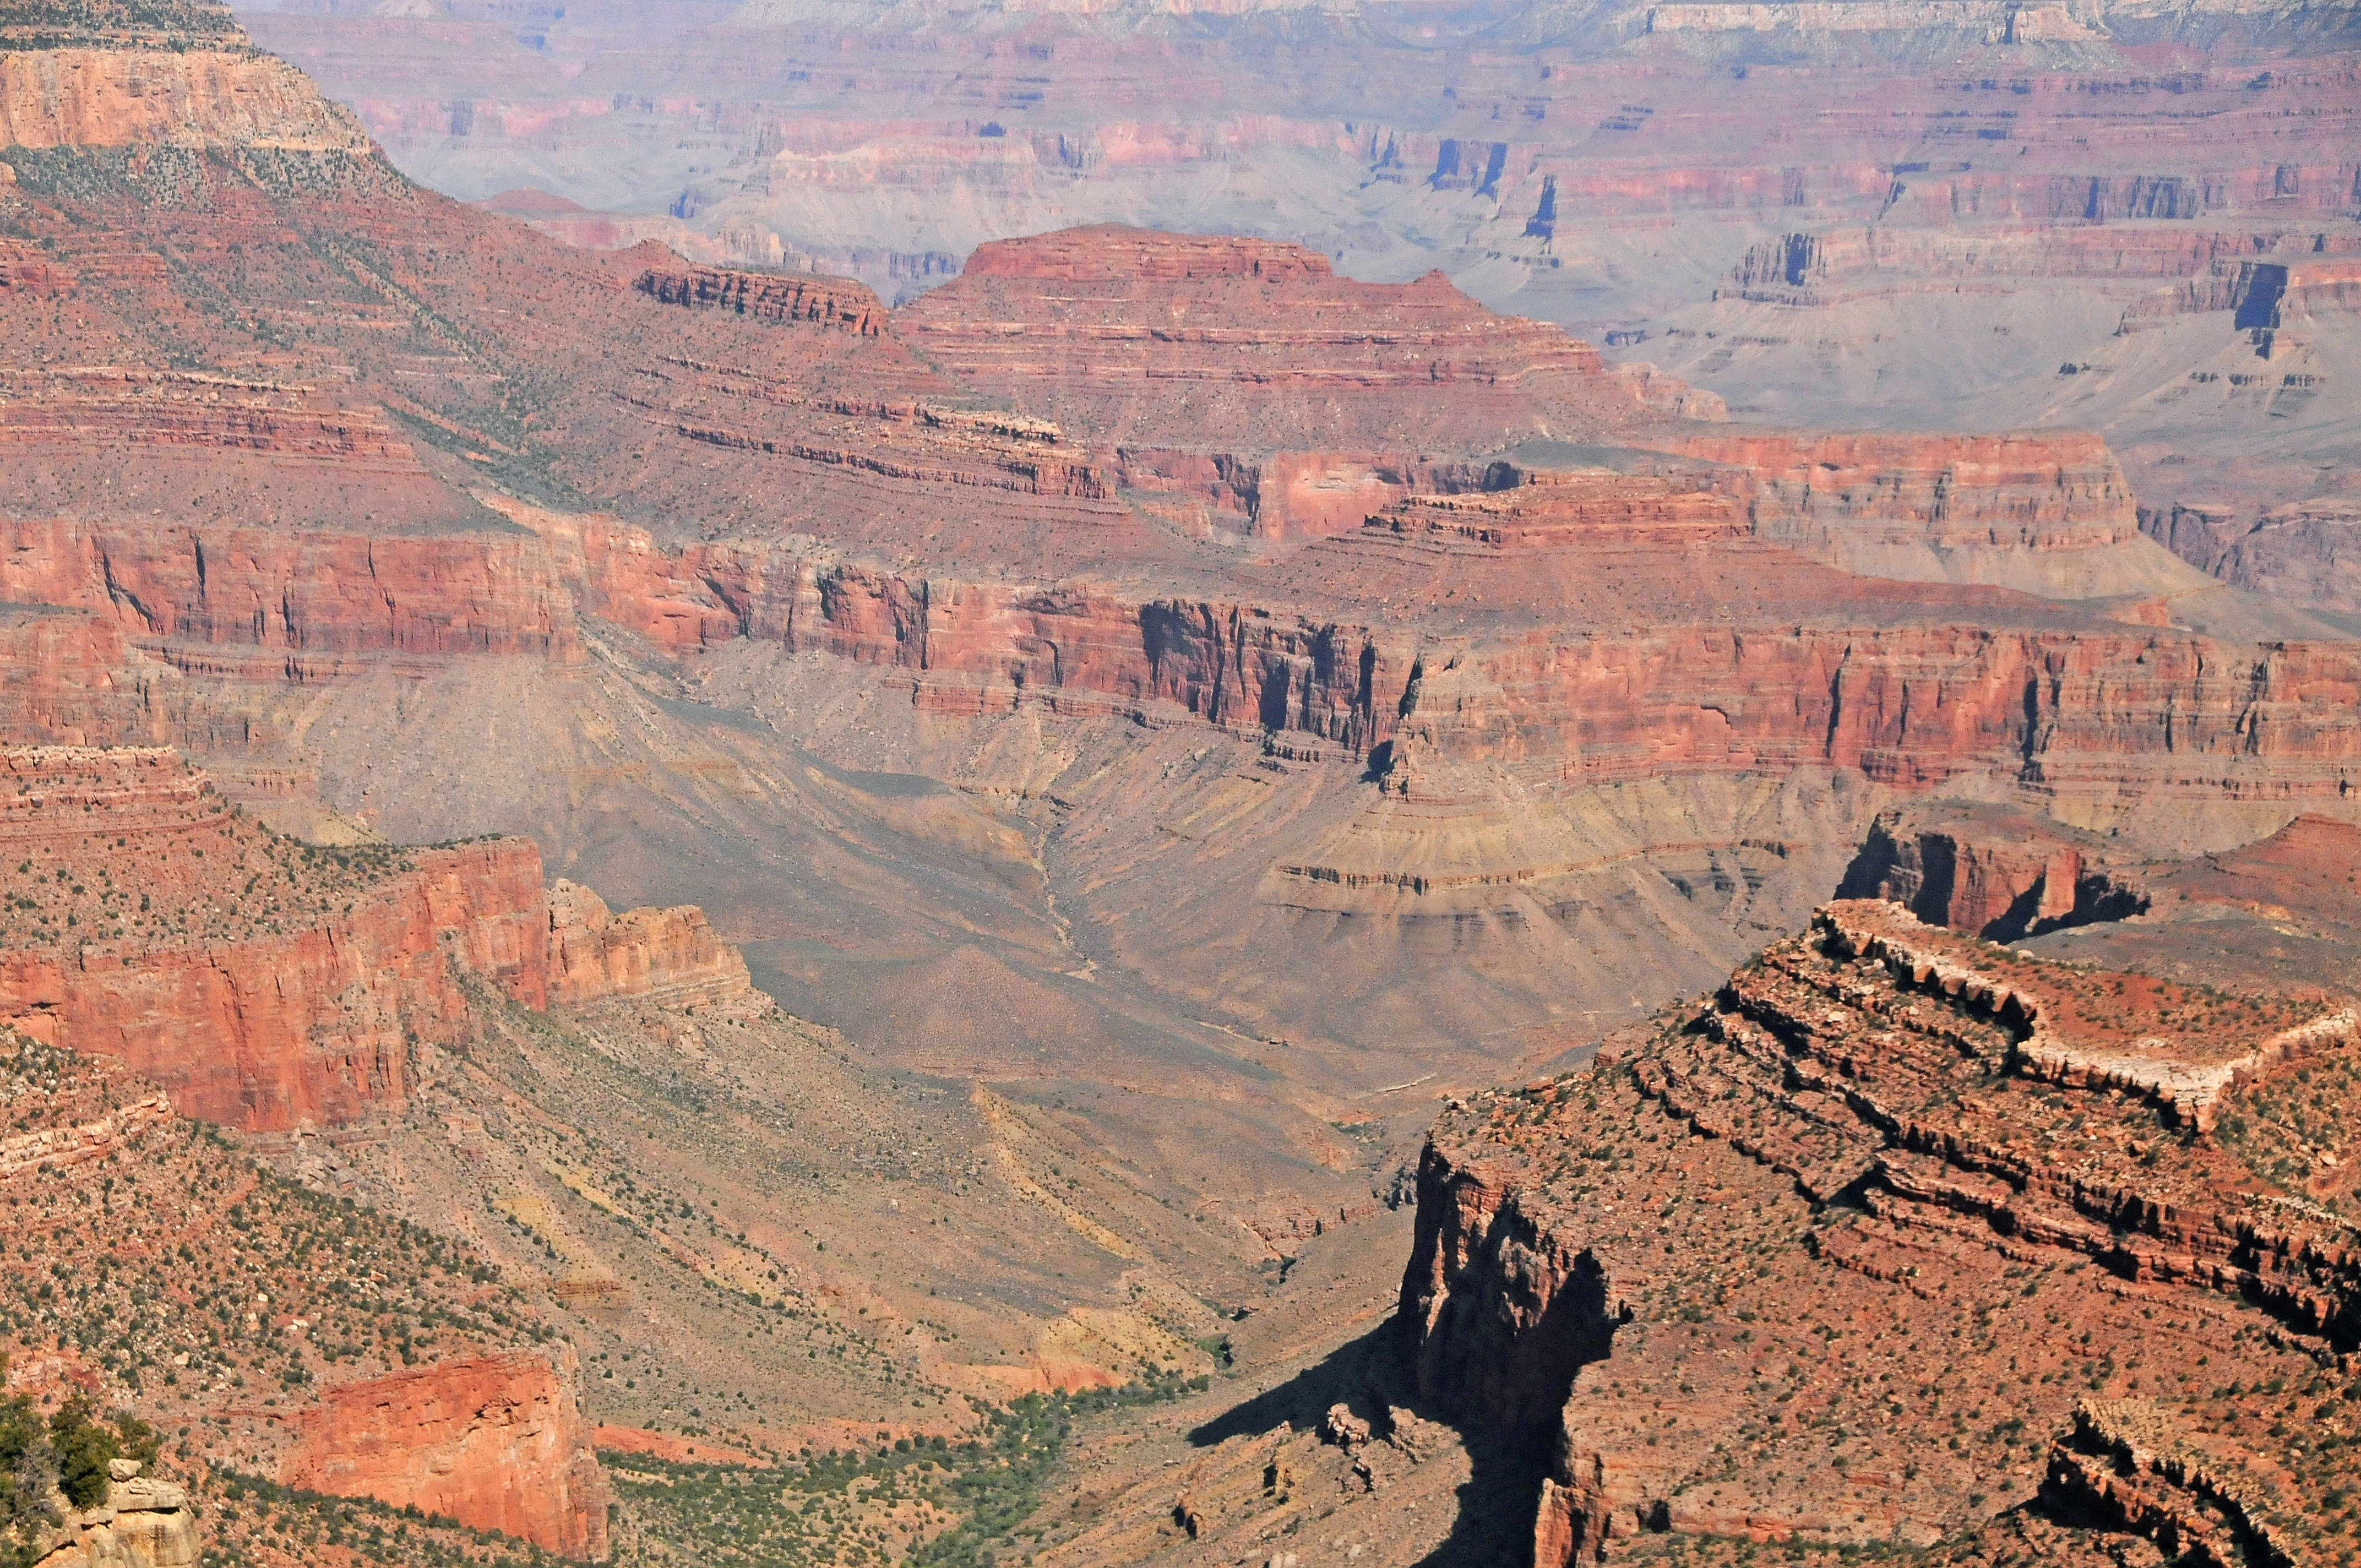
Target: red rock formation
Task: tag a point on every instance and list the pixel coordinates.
(1249, 346)
(1996, 873)
(109, 98)
(663, 955)
(1561, 508)
(1644, 1256)
(267, 984)
(1113, 254)
(278, 1007)
(307, 593)
(2045, 492)
(498, 1443)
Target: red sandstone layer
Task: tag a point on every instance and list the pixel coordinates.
(498, 1443)
(1151, 339)
(270, 984)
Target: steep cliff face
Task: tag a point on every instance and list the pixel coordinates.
(266, 984)
(2305, 553)
(498, 1443)
(1689, 1182)
(100, 97)
(314, 593)
(1914, 704)
(661, 955)
(269, 984)
(2051, 513)
(155, 72)
(1996, 873)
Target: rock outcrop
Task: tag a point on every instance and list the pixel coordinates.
(264, 1006)
(671, 956)
(1716, 1271)
(1249, 346)
(1991, 871)
(145, 1523)
(498, 1443)
(101, 98)
(826, 301)
(269, 984)
(2051, 513)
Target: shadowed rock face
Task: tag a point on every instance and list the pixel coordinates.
(1992, 873)
(498, 1443)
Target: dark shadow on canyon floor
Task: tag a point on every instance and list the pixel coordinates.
(1372, 1377)
(1496, 1505)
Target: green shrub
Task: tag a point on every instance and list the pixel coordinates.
(84, 1449)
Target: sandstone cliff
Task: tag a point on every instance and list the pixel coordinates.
(498, 1443)
(269, 984)
(100, 97)
(669, 956)
(260, 1006)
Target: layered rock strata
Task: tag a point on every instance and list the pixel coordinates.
(1719, 1272)
(270, 983)
(1251, 328)
(828, 301)
(661, 955)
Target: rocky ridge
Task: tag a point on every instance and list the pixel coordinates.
(1861, 1117)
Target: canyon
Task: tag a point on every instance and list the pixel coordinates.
(816, 909)
(2113, 218)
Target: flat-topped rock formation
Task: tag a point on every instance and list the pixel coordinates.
(661, 955)
(1149, 339)
(266, 982)
(1570, 509)
(104, 74)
